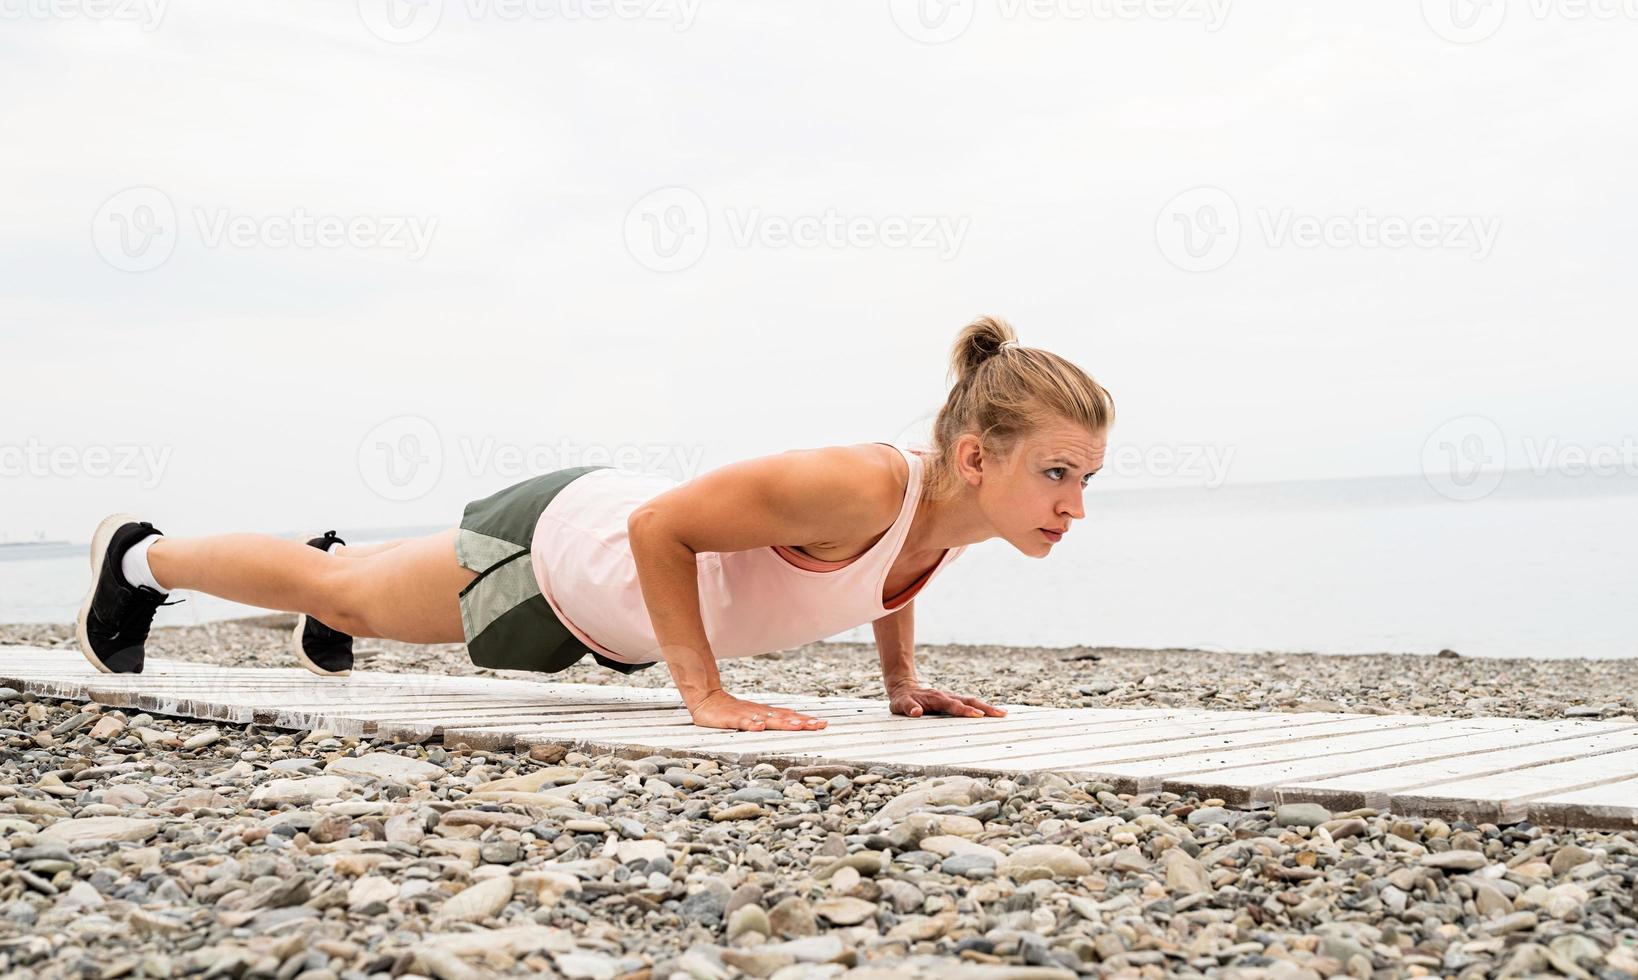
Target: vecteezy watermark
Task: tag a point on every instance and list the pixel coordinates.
(119, 461)
(403, 457)
(667, 230)
(146, 14)
(1467, 458)
(408, 21)
(1200, 230)
(137, 230)
(1472, 21)
(1205, 465)
(938, 21)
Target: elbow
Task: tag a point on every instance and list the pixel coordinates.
(642, 525)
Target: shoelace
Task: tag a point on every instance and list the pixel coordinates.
(143, 616)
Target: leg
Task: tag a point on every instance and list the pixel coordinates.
(365, 550)
(407, 592)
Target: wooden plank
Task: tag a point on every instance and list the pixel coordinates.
(1569, 772)
(1380, 787)
(1611, 806)
(908, 733)
(1195, 730)
(1504, 797)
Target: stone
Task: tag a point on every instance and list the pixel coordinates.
(869, 863)
(845, 911)
(300, 792)
(479, 901)
(945, 846)
(739, 811)
(107, 727)
(627, 851)
(748, 918)
(584, 965)
(708, 904)
(99, 828)
(1184, 874)
(968, 865)
(389, 766)
(1063, 862)
(1567, 858)
(793, 917)
(371, 894)
(758, 961)
(485, 818)
(1454, 860)
(209, 736)
(1301, 815)
(404, 828)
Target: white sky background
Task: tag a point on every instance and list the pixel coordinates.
(259, 371)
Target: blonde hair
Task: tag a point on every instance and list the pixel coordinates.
(1004, 391)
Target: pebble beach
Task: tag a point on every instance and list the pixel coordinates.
(142, 846)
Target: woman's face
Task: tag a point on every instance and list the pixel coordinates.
(1038, 488)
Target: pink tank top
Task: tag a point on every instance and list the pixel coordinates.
(752, 602)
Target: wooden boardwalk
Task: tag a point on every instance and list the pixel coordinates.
(1563, 772)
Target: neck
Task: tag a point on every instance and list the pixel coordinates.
(950, 522)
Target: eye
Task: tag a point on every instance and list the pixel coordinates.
(1065, 469)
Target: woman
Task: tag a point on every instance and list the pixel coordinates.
(636, 569)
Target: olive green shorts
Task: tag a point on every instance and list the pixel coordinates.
(507, 622)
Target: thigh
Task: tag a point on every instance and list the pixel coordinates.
(411, 592)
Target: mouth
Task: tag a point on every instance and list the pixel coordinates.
(1051, 535)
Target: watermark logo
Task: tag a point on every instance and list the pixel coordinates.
(401, 21)
(668, 230)
(144, 464)
(1465, 458)
(1464, 21)
(1200, 230)
(135, 229)
(402, 458)
(146, 14)
(1472, 21)
(941, 21)
(408, 21)
(932, 21)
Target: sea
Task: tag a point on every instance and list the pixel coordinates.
(1542, 567)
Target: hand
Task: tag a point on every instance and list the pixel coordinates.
(719, 709)
(915, 701)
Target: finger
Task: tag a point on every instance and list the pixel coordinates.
(988, 709)
(952, 705)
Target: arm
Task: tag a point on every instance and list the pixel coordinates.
(795, 497)
(895, 643)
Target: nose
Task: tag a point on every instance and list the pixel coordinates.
(1076, 509)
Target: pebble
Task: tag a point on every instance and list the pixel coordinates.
(387, 765)
(446, 861)
(209, 736)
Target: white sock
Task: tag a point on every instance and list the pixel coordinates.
(332, 549)
(134, 566)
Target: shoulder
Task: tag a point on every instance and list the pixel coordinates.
(866, 478)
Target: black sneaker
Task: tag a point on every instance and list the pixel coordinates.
(114, 619)
(317, 647)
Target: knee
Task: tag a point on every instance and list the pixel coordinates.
(341, 600)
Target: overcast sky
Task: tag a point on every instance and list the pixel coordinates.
(320, 264)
